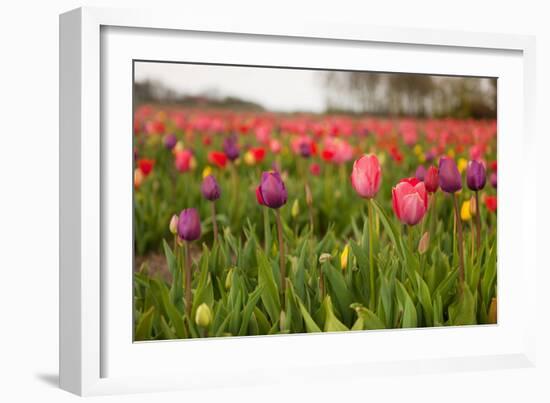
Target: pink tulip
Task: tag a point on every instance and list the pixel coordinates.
(410, 201)
(366, 176)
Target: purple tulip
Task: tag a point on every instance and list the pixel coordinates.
(231, 148)
(420, 173)
(450, 180)
(210, 188)
(189, 225)
(429, 155)
(493, 179)
(475, 175)
(170, 141)
(305, 149)
(271, 192)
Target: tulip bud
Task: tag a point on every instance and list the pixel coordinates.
(210, 188)
(170, 141)
(465, 211)
(230, 148)
(249, 158)
(424, 243)
(366, 176)
(344, 257)
(206, 171)
(462, 164)
(325, 257)
(229, 279)
(493, 179)
(189, 225)
(493, 311)
(174, 224)
(272, 191)
(203, 316)
(420, 173)
(138, 178)
(475, 175)
(431, 179)
(282, 321)
(295, 209)
(309, 196)
(450, 180)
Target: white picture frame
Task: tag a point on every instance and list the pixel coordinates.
(96, 354)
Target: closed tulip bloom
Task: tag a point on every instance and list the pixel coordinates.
(210, 188)
(465, 211)
(493, 179)
(170, 141)
(189, 225)
(271, 192)
(450, 180)
(475, 175)
(410, 201)
(420, 173)
(366, 176)
(203, 316)
(431, 179)
(231, 148)
(174, 224)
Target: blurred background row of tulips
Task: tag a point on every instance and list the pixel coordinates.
(253, 222)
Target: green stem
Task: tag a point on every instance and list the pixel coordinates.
(214, 223)
(478, 223)
(282, 267)
(460, 242)
(371, 258)
(188, 296)
(267, 231)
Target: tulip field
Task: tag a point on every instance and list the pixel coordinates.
(260, 223)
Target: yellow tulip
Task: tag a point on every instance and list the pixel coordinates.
(344, 257)
(465, 211)
(203, 316)
(462, 164)
(295, 209)
(417, 149)
(206, 171)
(249, 158)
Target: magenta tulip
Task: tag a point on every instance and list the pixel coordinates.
(271, 192)
(366, 176)
(450, 180)
(410, 201)
(189, 225)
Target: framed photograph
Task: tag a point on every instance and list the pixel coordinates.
(242, 202)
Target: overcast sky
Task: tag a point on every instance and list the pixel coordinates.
(275, 89)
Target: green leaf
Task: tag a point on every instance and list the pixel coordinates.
(270, 292)
(332, 324)
(369, 318)
(409, 310)
(249, 309)
(339, 290)
(463, 311)
(311, 326)
(145, 325)
(425, 300)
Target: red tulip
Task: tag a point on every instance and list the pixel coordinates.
(491, 203)
(217, 158)
(366, 176)
(410, 201)
(258, 153)
(431, 180)
(146, 166)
